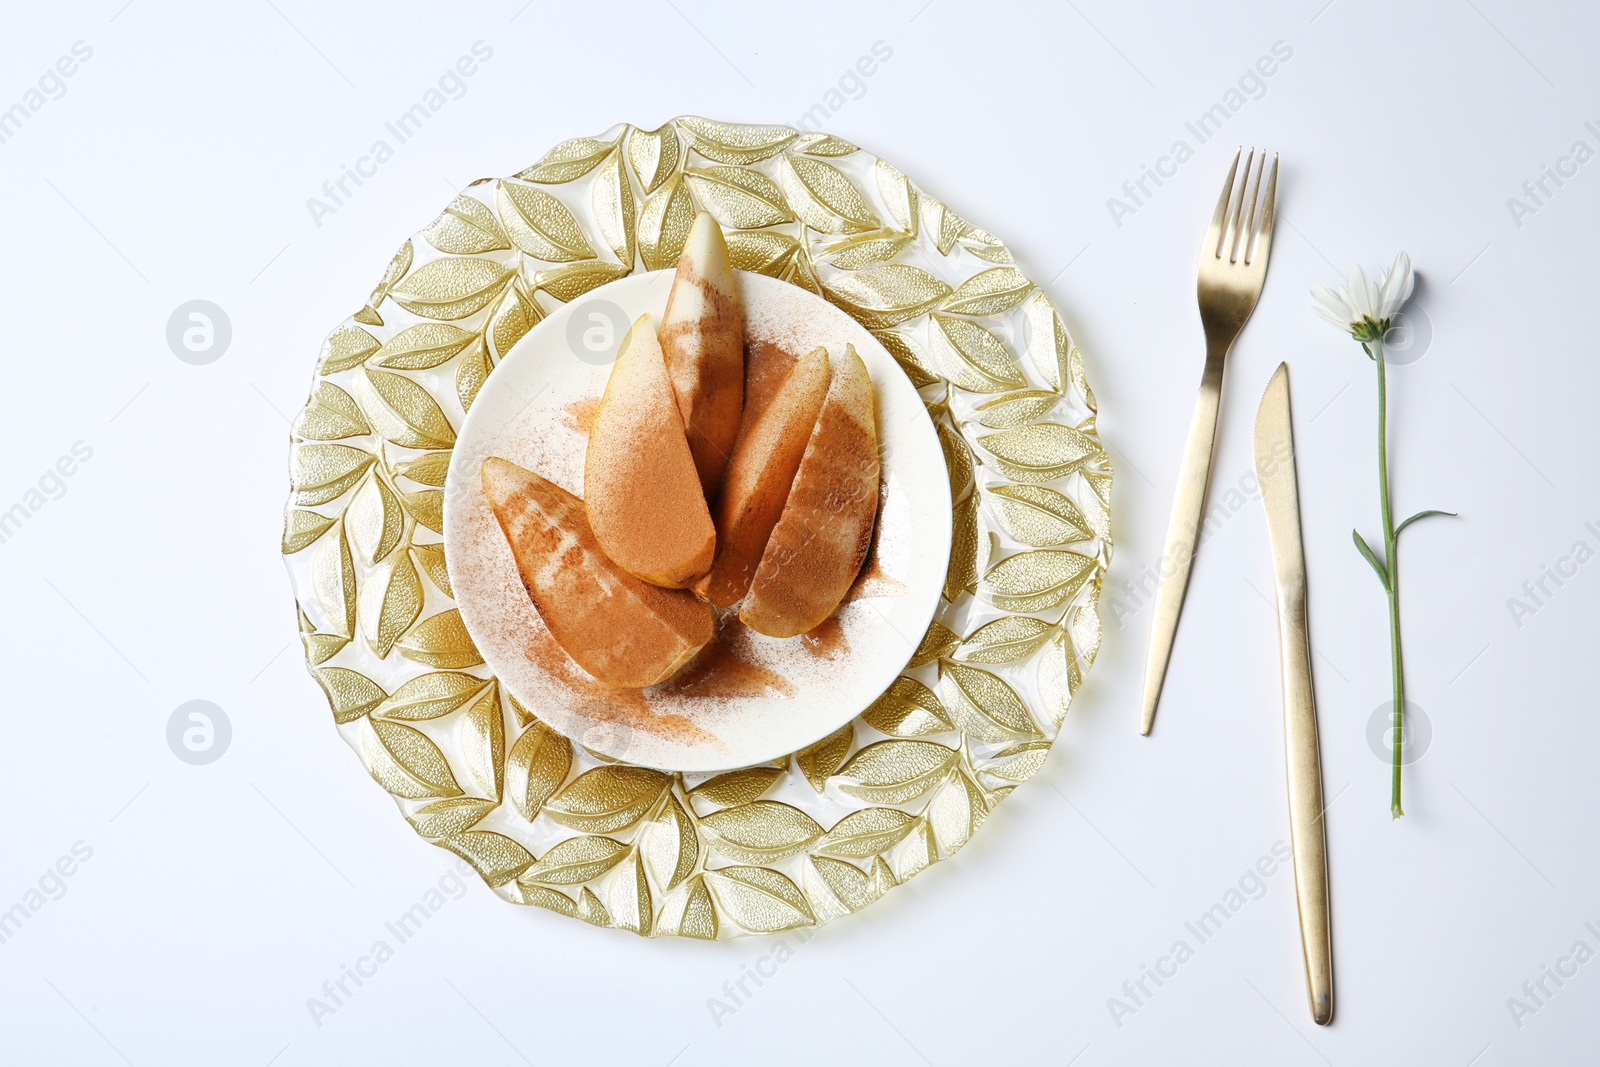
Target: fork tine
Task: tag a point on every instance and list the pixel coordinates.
(1261, 239)
(1230, 239)
(1247, 222)
(1214, 233)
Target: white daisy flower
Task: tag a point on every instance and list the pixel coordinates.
(1363, 308)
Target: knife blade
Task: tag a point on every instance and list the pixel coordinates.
(1280, 495)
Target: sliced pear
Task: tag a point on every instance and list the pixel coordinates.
(760, 472)
(640, 486)
(820, 541)
(623, 631)
(702, 336)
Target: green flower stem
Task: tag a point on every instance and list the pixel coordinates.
(1392, 584)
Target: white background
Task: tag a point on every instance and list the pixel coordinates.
(218, 899)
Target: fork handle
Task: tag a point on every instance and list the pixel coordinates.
(1183, 532)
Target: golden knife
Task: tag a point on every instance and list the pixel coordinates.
(1281, 495)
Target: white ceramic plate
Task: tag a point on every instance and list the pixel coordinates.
(797, 690)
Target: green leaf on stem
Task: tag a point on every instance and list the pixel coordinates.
(1372, 558)
(1420, 515)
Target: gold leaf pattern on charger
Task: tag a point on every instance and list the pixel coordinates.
(431, 560)
(664, 225)
(549, 824)
(389, 603)
(1004, 640)
(1040, 517)
(946, 225)
(865, 249)
(330, 415)
(631, 904)
(375, 521)
(575, 279)
(654, 155)
(351, 694)
(538, 764)
(742, 199)
(673, 846)
(1049, 345)
(346, 347)
(450, 289)
(887, 295)
(907, 709)
(935, 644)
(429, 468)
(1036, 580)
(866, 833)
(759, 832)
(540, 224)
(590, 910)
(965, 546)
(399, 263)
(818, 762)
(568, 160)
(467, 227)
(481, 738)
(906, 352)
(333, 577)
(431, 695)
(516, 314)
(613, 207)
(1058, 678)
(426, 506)
(957, 459)
(323, 473)
(1014, 409)
(496, 857)
(576, 860)
(822, 144)
(425, 345)
(983, 705)
(607, 798)
(732, 143)
(737, 787)
(762, 251)
(301, 529)
(972, 357)
(406, 413)
(441, 641)
(446, 818)
(893, 772)
(760, 899)
(824, 198)
(1039, 451)
(989, 292)
(406, 762)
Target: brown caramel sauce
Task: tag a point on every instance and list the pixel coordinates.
(579, 415)
(627, 707)
(874, 581)
(826, 641)
(720, 671)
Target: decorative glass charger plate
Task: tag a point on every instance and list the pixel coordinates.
(822, 831)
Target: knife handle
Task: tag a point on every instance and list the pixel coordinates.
(1306, 829)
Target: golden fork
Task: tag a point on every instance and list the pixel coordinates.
(1233, 266)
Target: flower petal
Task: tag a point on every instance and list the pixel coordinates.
(1398, 283)
(1330, 306)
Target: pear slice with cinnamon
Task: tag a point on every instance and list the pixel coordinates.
(640, 487)
(625, 632)
(702, 337)
(762, 468)
(820, 541)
